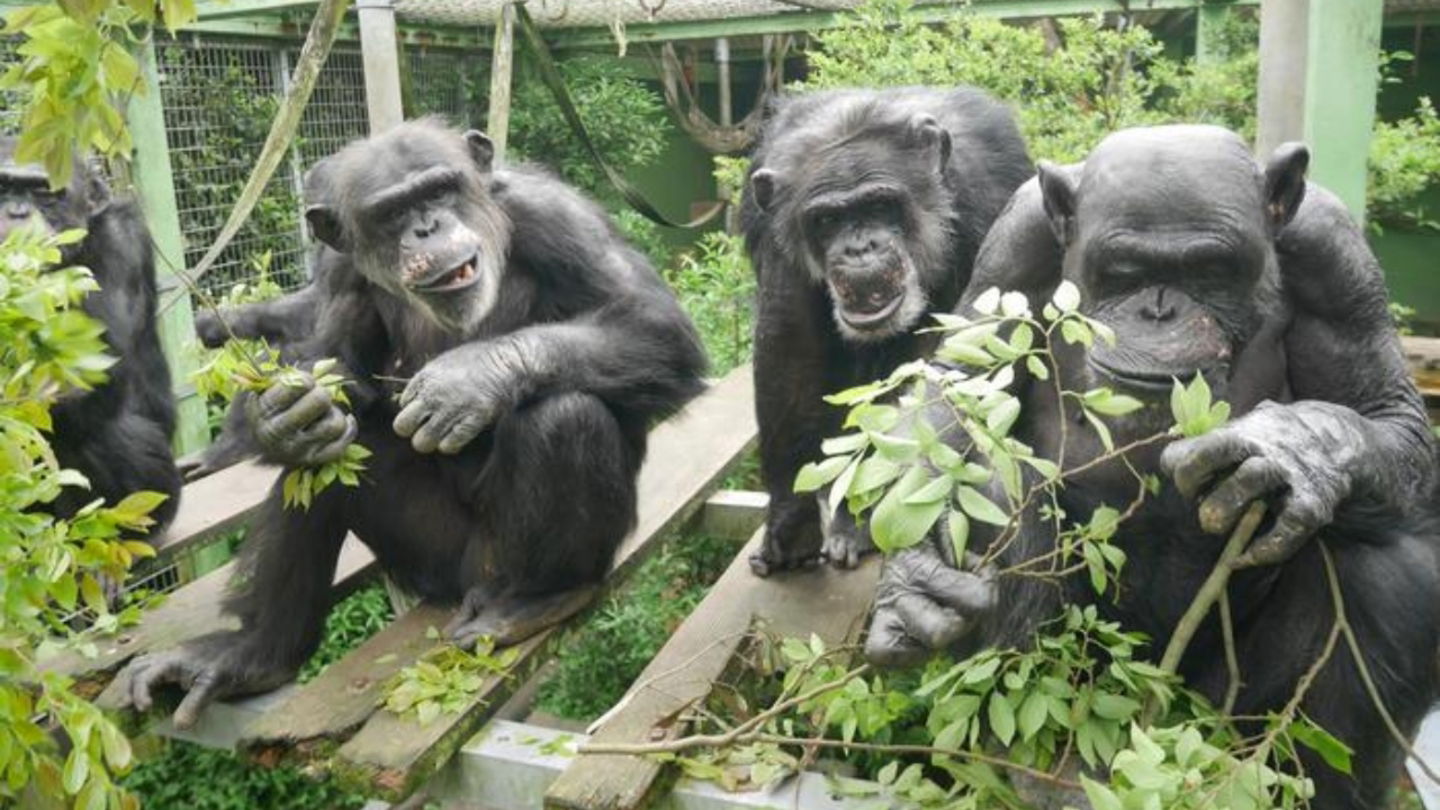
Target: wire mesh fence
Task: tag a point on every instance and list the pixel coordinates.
(9, 102)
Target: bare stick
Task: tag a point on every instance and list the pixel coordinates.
(1232, 661)
(1212, 588)
(1353, 643)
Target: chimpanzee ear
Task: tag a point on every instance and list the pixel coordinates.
(96, 191)
(326, 227)
(482, 149)
(762, 185)
(1057, 189)
(1285, 183)
(929, 132)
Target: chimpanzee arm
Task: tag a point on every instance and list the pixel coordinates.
(279, 321)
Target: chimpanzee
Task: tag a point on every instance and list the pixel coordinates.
(117, 434)
(286, 324)
(863, 213)
(534, 349)
(1203, 261)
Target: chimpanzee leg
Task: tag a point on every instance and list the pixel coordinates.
(554, 500)
(1390, 591)
(127, 455)
(283, 593)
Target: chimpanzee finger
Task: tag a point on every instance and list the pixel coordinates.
(461, 433)
(888, 645)
(324, 430)
(334, 450)
(1255, 479)
(411, 417)
(428, 437)
(149, 672)
(963, 591)
(1194, 463)
(205, 688)
(930, 623)
(1293, 528)
(311, 407)
(277, 398)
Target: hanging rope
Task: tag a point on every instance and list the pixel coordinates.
(680, 96)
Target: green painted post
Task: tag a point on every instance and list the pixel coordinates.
(1341, 79)
(1209, 19)
(155, 188)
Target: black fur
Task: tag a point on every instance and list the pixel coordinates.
(949, 159)
(591, 347)
(118, 434)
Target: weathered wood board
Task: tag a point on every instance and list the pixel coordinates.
(1423, 355)
(389, 755)
(217, 503)
(825, 601)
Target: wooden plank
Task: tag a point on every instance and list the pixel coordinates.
(216, 504)
(192, 611)
(391, 755)
(497, 123)
(825, 601)
(1423, 355)
(733, 513)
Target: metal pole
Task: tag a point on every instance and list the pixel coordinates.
(382, 67)
(722, 65)
(497, 122)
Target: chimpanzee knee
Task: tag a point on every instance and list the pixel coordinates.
(559, 492)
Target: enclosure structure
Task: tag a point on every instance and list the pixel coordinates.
(446, 53)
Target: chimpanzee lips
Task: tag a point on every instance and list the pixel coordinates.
(863, 318)
(458, 277)
(1158, 380)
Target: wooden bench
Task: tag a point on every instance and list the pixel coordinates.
(1423, 355)
(333, 722)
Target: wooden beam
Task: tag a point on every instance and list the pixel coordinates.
(734, 514)
(381, 55)
(830, 603)
(154, 183)
(811, 21)
(497, 121)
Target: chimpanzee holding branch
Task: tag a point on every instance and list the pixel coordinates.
(863, 213)
(1203, 261)
(532, 350)
(118, 434)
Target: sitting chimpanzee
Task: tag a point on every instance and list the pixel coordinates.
(286, 324)
(1205, 262)
(117, 434)
(539, 349)
(863, 213)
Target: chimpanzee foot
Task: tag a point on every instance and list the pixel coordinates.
(208, 668)
(787, 550)
(513, 619)
(845, 541)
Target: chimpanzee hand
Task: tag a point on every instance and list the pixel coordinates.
(923, 603)
(1304, 456)
(215, 666)
(846, 541)
(298, 423)
(459, 394)
(210, 329)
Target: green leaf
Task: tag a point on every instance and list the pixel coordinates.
(980, 507)
(1114, 707)
(938, 489)
(1100, 796)
(1335, 753)
(812, 476)
(1101, 430)
(1002, 718)
(895, 448)
(988, 301)
(896, 525)
(1066, 297)
(1003, 417)
(1032, 714)
(872, 473)
(1037, 367)
(959, 530)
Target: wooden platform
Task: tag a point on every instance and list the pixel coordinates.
(333, 723)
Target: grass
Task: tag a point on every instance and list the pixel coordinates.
(601, 658)
(355, 618)
(188, 777)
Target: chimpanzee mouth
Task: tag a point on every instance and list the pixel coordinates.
(862, 320)
(1154, 380)
(457, 278)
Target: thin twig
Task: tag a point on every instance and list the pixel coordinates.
(651, 680)
(1232, 661)
(1338, 597)
(1210, 591)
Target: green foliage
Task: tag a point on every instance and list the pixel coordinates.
(445, 679)
(188, 777)
(49, 568)
(600, 659)
(75, 63)
(716, 286)
(1094, 78)
(356, 618)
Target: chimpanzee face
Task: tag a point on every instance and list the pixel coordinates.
(412, 208)
(870, 216)
(1169, 234)
(26, 199)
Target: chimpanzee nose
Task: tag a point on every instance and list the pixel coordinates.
(1158, 310)
(426, 226)
(17, 209)
(860, 246)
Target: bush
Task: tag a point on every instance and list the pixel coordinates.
(715, 285)
(188, 777)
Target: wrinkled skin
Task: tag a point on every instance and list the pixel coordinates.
(1204, 262)
(505, 355)
(863, 211)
